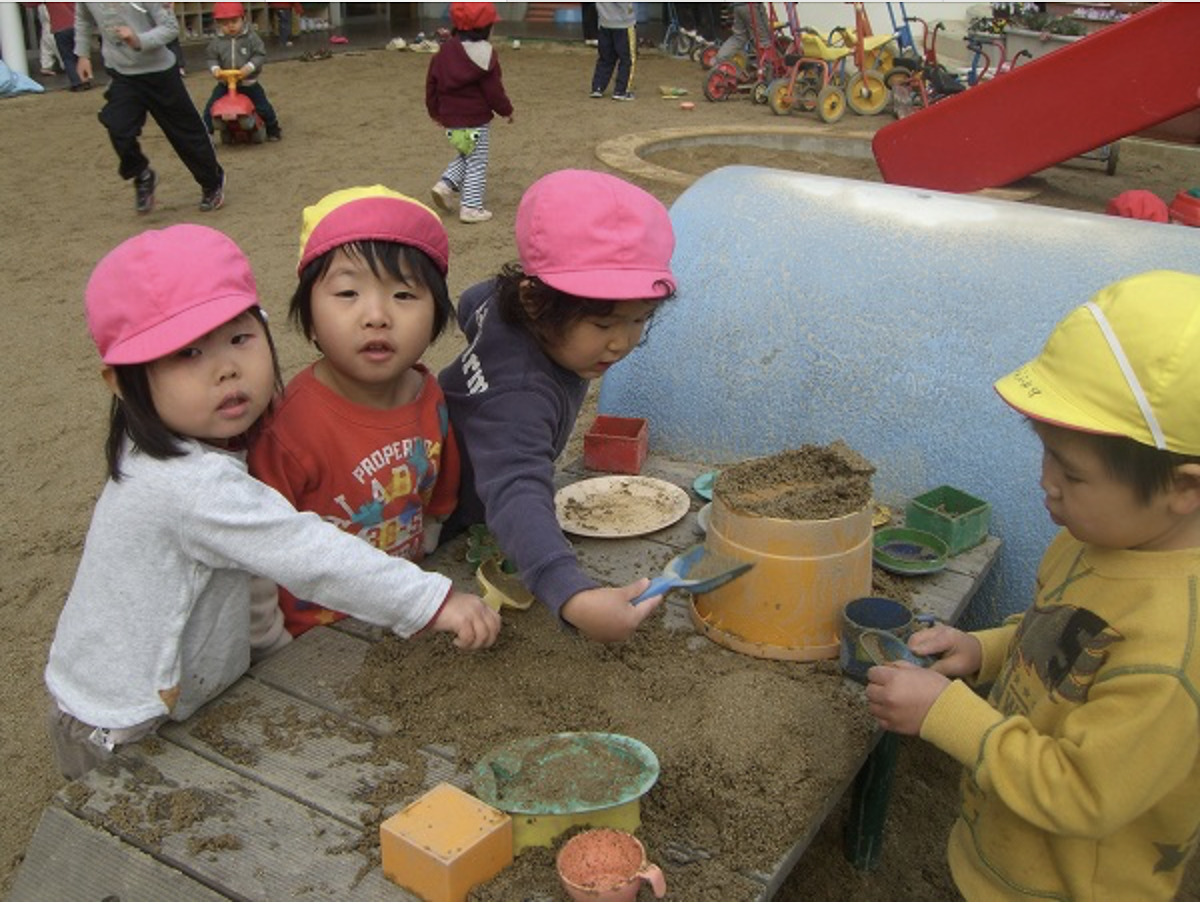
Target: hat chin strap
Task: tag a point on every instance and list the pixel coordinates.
(1135, 386)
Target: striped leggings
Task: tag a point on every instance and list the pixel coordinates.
(468, 172)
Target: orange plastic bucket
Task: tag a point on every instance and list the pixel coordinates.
(788, 607)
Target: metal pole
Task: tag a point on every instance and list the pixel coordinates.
(12, 41)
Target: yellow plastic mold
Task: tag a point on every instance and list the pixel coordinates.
(444, 843)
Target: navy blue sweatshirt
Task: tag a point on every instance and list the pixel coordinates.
(513, 410)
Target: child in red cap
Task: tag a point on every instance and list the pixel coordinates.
(595, 264)
(1083, 760)
(463, 89)
(237, 46)
(362, 436)
(158, 619)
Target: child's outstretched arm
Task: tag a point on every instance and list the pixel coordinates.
(607, 614)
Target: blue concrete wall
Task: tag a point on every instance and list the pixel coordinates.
(813, 308)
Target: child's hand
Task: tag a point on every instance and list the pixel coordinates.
(474, 624)
(606, 615)
(958, 653)
(899, 695)
(129, 36)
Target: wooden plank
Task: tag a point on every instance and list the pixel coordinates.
(69, 859)
(238, 838)
(302, 751)
(948, 593)
(313, 669)
(618, 561)
(312, 666)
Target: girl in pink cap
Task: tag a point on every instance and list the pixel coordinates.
(158, 620)
(362, 436)
(595, 264)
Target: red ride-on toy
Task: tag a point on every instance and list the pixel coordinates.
(771, 51)
(234, 114)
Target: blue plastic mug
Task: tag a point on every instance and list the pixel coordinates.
(870, 614)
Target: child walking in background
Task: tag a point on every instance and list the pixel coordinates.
(146, 80)
(238, 47)
(157, 621)
(595, 264)
(616, 50)
(362, 436)
(463, 89)
(1083, 762)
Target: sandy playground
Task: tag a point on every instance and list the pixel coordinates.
(357, 118)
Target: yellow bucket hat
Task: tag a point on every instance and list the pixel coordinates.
(372, 212)
(1126, 363)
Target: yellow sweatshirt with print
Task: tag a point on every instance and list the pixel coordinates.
(1082, 777)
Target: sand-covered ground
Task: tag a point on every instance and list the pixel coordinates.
(357, 118)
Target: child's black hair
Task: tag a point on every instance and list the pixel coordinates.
(390, 257)
(548, 313)
(1147, 470)
(132, 415)
(473, 34)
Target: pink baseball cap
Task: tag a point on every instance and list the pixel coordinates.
(595, 236)
(162, 289)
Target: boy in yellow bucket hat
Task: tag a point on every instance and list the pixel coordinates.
(1082, 763)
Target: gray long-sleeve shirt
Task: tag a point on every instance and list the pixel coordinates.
(154, 23)
(158, 618)
(616, 15)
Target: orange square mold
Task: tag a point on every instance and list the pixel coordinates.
(444, 843)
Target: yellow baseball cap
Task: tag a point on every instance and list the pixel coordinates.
(1126, 363)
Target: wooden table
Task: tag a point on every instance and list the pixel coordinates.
(184, 817)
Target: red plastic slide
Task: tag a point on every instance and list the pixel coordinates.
(1118, 81)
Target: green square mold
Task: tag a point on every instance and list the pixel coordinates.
(952, 515)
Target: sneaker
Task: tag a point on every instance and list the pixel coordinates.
(275, 135)
(627, 96)
(474, 215)
(597, 94)
(444, 196)
(592, 42)
(210, 201)
(143, 188)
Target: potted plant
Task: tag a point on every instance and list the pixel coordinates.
(1026, 26)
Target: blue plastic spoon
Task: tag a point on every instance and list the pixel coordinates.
(696, 570)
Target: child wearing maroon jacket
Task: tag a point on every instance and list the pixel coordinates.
(463, 91)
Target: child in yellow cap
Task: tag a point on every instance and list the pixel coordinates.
(1083, 761)
(362, 436)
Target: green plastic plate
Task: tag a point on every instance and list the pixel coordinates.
(565, 773)
(909, 552)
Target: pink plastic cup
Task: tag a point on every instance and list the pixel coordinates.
(606, 865)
